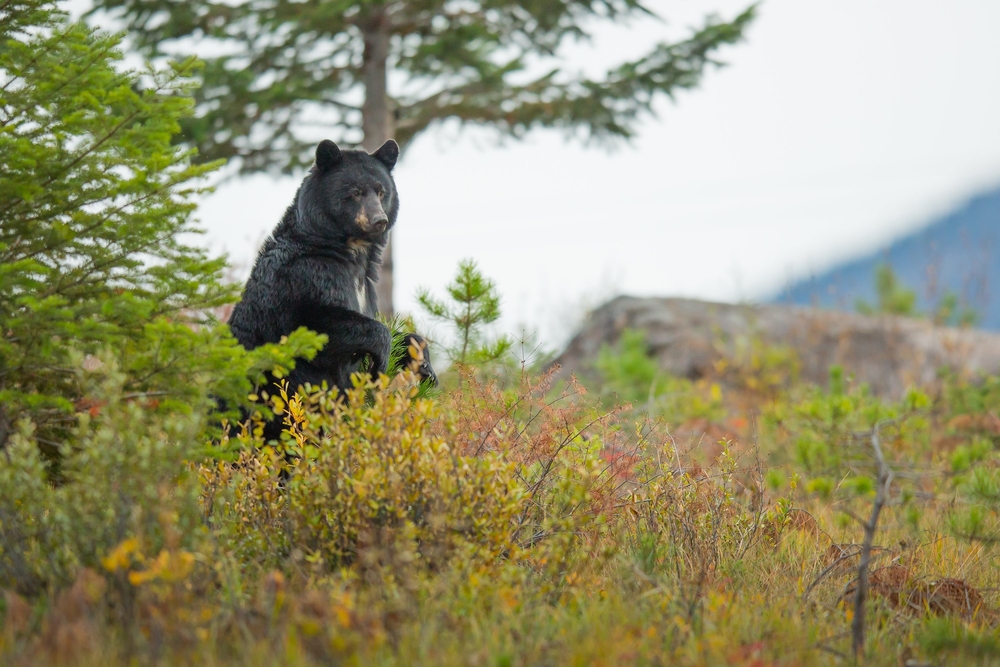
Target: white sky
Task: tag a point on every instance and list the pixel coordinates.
(838, 125)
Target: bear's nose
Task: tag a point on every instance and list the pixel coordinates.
(380, 221)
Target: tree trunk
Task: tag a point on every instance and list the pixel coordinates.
(376, 123)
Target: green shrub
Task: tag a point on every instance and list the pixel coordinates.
(895, 298)
(629, 371)
(630, 374)
(96, 202)
(125, 472)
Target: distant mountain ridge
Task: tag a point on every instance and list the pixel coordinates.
(957, 253)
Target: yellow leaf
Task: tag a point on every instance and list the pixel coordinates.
(120, 556)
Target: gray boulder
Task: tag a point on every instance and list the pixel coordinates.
(689, 337)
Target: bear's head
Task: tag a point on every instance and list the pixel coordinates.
(350, 195)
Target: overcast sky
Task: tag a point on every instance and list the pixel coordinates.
(838, 125)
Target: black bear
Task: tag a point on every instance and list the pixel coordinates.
(319, 266)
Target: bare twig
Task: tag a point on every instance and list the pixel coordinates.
(822, 575)
(861, 593)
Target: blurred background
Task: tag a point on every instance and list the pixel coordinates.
(835, 130)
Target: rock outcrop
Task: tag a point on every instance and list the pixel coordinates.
(689, 338)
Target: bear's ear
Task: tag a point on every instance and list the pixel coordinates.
(387, 154)
(327, 155)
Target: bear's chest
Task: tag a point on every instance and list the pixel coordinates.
(361, 292)
(345, 285)
(352, 290)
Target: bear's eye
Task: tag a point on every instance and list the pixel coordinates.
(356, 193)
(381, 192)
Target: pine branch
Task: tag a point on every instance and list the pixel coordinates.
(298, 61)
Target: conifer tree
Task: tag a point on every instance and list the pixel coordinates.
(474, 303)
(95, 202)
(281, 74)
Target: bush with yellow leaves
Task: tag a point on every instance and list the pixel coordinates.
(360, 473)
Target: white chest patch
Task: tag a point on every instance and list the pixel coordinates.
(360, 288)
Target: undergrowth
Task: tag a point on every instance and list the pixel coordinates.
(509, 521)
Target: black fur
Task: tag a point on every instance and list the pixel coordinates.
(319, 266)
